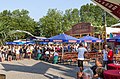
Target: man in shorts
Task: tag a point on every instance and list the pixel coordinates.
(81, 51)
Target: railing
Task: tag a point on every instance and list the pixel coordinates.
(73, 56)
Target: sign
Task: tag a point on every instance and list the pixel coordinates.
(98, 41)
(88, 40)
(111, 40)
(46, 40)
(72, 41)
(57, 40)
(82, 28)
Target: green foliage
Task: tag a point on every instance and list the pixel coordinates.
(94, 14)
(55, 21)
(50, 24)
(71, 17)
(16, 20)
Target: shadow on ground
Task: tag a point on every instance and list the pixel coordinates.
(40, 68)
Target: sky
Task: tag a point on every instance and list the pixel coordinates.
(38, 8)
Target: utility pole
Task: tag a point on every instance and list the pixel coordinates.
(104, 27)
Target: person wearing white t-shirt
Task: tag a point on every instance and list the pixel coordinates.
(81, 51)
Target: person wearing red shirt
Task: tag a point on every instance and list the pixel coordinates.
(110, 55)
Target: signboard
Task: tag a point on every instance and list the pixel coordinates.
(82, 28)
(111, 40)
(88, 40)
(72, 41)
(57, 41)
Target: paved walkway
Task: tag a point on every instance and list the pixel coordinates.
(34, 69)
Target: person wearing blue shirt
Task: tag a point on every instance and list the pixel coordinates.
(105, 59)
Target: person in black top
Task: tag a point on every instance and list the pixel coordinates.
(98, 65)
(9, 55)
(97, 70)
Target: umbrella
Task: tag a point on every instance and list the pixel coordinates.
(62, 38)
(37, 38)
(111, 6)
(43, 42)
(10, 43)
(30, 42)
(114, 39)
(14, 43)
(90, 39)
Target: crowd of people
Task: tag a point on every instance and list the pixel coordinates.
(19, 52)
(95, 71)
(48, 52)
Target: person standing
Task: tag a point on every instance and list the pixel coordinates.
(81, 51)
(110, 55)
(55, 59)
(38, 53)
(17, 52)
(105, 59)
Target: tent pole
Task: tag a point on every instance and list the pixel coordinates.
(62, 50)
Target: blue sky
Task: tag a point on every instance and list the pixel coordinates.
(39, 8)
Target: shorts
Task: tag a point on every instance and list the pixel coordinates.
(80, 63)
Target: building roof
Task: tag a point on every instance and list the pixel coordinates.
(110, 6)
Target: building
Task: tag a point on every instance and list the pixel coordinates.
(80, 29)
(114, 29)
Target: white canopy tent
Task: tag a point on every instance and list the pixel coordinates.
(111, 30)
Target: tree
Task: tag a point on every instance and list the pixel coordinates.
(22, 21)
(16, 20)
(56, 22)
(71, 17)
(50, 24)
(94, 14)
(5, 18)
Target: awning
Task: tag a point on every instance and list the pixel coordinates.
(110, 6)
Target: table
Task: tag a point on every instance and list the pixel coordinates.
(111, 74)
(113, 67)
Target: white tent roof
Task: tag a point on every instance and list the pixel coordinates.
(111, 30)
